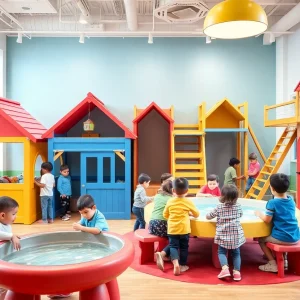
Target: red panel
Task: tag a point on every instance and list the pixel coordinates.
(297, 89)
(8, 130)
(78, 112)
(153, 105)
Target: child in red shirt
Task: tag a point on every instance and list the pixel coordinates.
(253, 172)
(211, 189)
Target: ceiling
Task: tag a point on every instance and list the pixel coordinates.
(118, 17)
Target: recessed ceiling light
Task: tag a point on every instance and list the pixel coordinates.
(26, 8)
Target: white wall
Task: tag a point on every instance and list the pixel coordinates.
(287, 77)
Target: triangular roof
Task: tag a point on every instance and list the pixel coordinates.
(79, 111)
(297, 89)
(19, 120)
(229, 106)
(151, 106)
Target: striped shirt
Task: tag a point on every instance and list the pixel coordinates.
(229, 231)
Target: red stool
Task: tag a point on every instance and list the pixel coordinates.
(146, 243)
(293, 257)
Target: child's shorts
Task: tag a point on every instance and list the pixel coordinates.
(270, 239)
(158, 228)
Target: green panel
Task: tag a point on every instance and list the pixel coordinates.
(293, 176)
(10, 173)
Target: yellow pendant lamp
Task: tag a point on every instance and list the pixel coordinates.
(235, 19)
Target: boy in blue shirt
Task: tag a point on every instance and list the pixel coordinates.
(64, 187)
(282, 211)
(92, 220)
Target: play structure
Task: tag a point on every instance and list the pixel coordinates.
(97, 148)
(19, 127)
(153, 148)
(290, 133)
(225, 126)
(95, 278)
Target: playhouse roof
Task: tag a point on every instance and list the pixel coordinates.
(226, 104)
(151, 106)
(79, 111)
(19, 121)
(297, 89)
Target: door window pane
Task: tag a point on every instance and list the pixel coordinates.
(119, 169)
(106, 170)
(91, 169)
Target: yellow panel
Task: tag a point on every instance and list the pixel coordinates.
(13, 139)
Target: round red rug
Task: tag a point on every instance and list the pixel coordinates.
(201, 268)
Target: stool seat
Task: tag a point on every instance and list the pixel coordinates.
(284, 248)
(144, 236)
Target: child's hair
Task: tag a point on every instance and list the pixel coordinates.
(229, 194)
(85, 201)
(144, 178)
(165, 176)
(213, 177)
(47, 166)
(280, 182)
(7, 203)
(252, 156)
(63, 167)
(166, 188)
(180, 186)
(233, 161)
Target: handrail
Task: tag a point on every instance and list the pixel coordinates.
(280, 104)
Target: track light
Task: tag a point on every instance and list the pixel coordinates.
(81, 38)
(20, 38)
(208, 40)
(150, 38)
(83, 19)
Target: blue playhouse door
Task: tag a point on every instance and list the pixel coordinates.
(98, 178)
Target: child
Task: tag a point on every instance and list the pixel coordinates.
(166, 177)
(8, 212)
(178, 211)
(254, 168)
(92, 220)
(46, 184)
(281, 210)
(65, 189)
(229, 232)
(140, 201)
(230, 173)
(211, 189)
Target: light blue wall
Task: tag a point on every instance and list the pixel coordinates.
(51, 75)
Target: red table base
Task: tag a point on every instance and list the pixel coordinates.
(108, 291)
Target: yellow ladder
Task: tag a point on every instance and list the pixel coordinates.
(189, 155)
(278, 154)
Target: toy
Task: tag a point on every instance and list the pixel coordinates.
(18, 126)
(94, 277)
(153, 147)
(291, 125)
(100, 166)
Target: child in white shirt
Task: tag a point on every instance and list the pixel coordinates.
(47, 183)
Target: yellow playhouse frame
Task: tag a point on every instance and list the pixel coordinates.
(13, 130)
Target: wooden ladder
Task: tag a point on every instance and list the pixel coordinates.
(274, 161)
(189, 155)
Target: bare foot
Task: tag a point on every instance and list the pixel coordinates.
(176, 267)
(159, 261)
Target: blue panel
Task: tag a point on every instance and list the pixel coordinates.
(226, 130)
(127, 202)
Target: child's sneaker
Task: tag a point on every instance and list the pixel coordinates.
(42, 222)
(237, 275)
(50, 221)
(159, 261)
(68, 215)
(271, 266)
(184, 268)
(65, 218)
(224, 273)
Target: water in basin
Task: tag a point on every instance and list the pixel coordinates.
(59, 254)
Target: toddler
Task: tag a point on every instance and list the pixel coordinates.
(211, 189)
(164, 178)
(177, 212)
(282, 212)
(230, 173)
(47, 183)
(140, 201)
(254, 168)
(92, 220)
(64, 187)
(229, 231)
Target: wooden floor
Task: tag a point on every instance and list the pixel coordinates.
(139, 286)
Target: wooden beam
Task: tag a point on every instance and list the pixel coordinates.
(57, 155)
(120, 155)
